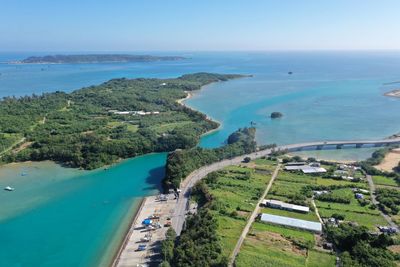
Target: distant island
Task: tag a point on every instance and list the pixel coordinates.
(94, 58)
(394, 93)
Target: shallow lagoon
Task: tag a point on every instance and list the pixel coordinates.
(67, 217)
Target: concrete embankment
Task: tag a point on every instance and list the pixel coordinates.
(160, 212)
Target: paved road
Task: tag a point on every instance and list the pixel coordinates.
(178, 218)
(372, 189)
(252, 218)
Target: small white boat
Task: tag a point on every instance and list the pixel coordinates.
(8, 188)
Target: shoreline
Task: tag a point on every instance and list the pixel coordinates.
(135, 216)
(128, 232)
(160, 213)
(189, 95)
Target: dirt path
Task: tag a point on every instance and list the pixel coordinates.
(316, 211)
(252, 218)
(20, 141)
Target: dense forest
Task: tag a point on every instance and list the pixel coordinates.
(180, 163)
(98, 125)
(360, 248)
(96, 58)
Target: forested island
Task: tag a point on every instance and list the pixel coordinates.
(95, 58)
(97, 125)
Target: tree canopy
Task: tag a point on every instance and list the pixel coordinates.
(97, 125)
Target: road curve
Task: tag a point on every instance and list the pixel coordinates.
(178, 218)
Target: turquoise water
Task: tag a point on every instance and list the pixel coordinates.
(65, 217)
(80, 216)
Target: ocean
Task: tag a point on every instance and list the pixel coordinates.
(67, 217)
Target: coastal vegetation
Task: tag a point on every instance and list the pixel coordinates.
(181, 163)
(95, 58)
(210, 235)
(97, 125)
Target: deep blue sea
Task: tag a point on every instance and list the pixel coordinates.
(75, 219)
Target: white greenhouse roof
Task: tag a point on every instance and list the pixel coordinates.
(287, 221)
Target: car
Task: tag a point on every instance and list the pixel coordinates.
(144, 239)
(141, 247)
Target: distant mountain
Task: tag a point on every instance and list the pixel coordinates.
(96, 58)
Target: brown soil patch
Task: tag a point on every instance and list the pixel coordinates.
(390, 161)
(276, 241)
(244, 214)
(22, 147)
(395, 248)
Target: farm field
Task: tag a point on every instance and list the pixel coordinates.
(292, 187)
(235, 192)
(272, 245)
(382, 181)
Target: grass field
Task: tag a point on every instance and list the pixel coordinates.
(235, 193)
(320, 259)
(272, 245)
(383, 180)
(365, 219)
(289, 184)
(354, 211)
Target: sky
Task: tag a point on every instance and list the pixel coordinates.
(203, 25)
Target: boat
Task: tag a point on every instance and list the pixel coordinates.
(8, 188)
(24, 174)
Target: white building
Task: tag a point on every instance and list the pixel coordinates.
(305, 169)
(296, 223)
(276, 204)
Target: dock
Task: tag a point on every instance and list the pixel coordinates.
(160, 210)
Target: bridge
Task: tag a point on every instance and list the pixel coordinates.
(183, 202)
(178, 219)
(339, 144)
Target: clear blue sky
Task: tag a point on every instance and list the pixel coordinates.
(129, 25)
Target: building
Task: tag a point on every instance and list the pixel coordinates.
(276, 204)
(339, 173)
(359, 196)
(319, 193)
(388, 230)
(296, 223)
(307, 169)
(295, 163)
